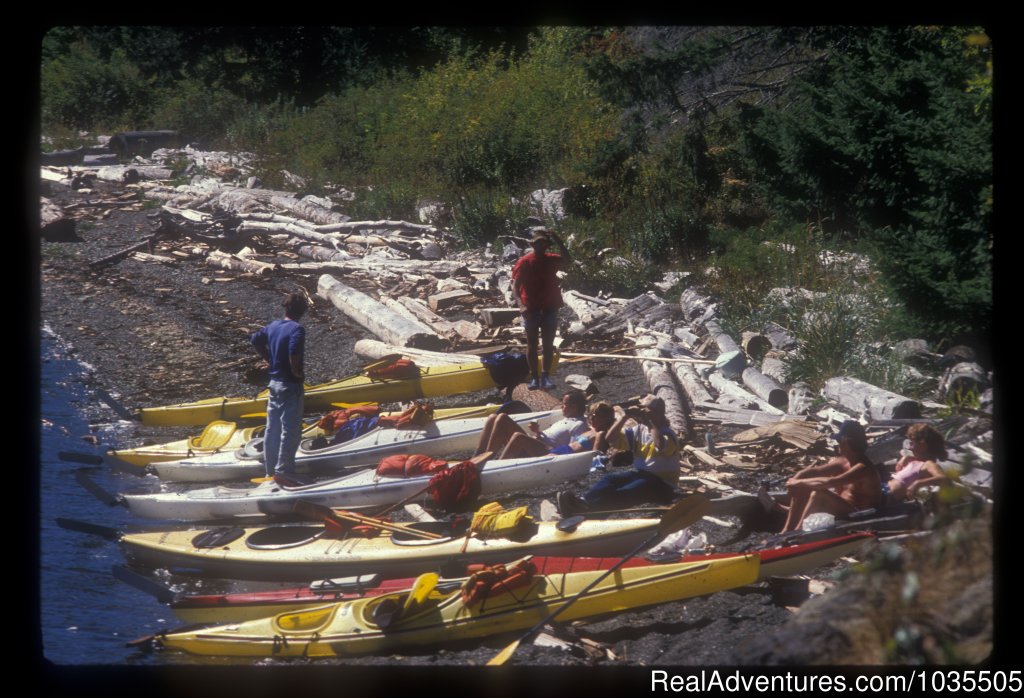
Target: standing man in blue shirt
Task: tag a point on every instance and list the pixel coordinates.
(282, 345)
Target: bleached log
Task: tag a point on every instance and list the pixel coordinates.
(694, 304)
(53, 224)
(349, 226)
(764, 387)
(748, 417)
(375, 317)
(755, 344)
(375, 349)
(378, 266)
(159, 259)
(687, 376)
(275, 228)
(727, 388)
(689, 339)
(662, 385)
(779, 337)
(458, 328)
(963, 378)
(877, 403)
(801, 399)
(774, 368)
(644, 309)
(310, 211)
(318, 253)
(724, 342)
(587, 309)
(122, 173)
(226, 261)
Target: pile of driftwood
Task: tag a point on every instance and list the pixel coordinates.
(420, 298)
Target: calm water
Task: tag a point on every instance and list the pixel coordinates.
(87, 615)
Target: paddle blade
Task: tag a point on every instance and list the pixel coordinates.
(75, 457)
(506, 654)
(154, 589)
(86, 527)
(683, 513)
(83, 479)
(421, 588)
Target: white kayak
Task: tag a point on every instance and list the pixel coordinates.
(355, 491)
(438, 438)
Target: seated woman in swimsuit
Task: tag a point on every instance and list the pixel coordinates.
(921, 468)
(600, 418)
(841, 486)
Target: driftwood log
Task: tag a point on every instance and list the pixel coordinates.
(662, 385)
(695, 306)
(724, 342)
(877, 403)
(963, 378)
(226, 261)
(801, 399)
(53, 224)
(764, 387)
(378, 319)
(779, 337)
(774, 367)
(376, 349)
(727, 389)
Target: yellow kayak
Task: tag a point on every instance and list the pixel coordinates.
(223, 436)
(402, 619)
(433, 381)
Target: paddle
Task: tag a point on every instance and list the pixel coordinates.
(75, 457)
(93, 459)
(318, 511)
(160, 592)
(86, 527)
(122, 411)
(95, 490)
(388, 612)
(677, 517)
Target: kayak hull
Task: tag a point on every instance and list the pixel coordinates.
(354, 491)
(433, 381)
(437, 438)
(242, 606)
(348, 628)
(285, 552)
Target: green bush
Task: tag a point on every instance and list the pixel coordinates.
(483, 215)
(199, 113)
(81, 90)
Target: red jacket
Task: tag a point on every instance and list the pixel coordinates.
(538, 280)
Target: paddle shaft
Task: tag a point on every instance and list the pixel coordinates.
(573, 354)
(677, 517)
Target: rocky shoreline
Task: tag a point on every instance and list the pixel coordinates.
(159, 333)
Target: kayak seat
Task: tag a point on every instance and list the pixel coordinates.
(215, 435)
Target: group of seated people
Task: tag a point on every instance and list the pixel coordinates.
(850, 482)
(844, 484)
(650, 448)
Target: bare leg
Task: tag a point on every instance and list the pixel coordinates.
(828, 502)
(502, 431)
(797, 503)
(522, 446)
(485, 435)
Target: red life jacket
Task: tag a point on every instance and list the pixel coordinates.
(409, 465)
(457, 488)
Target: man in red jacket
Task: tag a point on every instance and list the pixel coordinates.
(535, 283)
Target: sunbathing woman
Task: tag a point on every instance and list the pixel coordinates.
(845, 484)
(921, 468)
(500, 429)
(599, 420)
